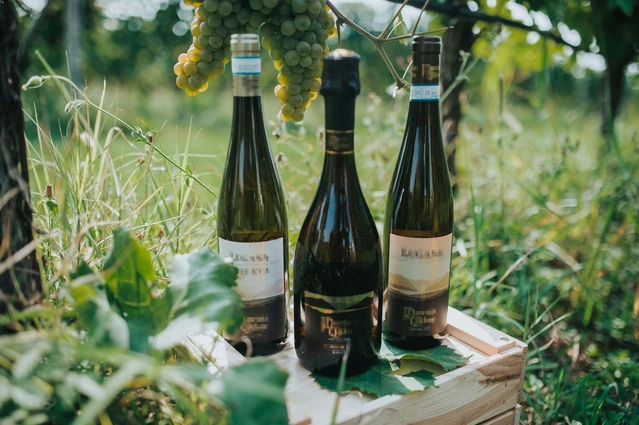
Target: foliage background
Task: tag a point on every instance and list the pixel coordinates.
(546, 211)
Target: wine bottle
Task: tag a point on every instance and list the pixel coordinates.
(419, 215)
(338, 265)
(251, 215)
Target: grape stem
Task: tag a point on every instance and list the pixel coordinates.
(383, 38)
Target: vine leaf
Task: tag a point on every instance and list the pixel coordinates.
(253, 393)
(443, 356)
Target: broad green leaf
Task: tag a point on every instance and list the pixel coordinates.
(443, 355)
(401, 29)
(202, 286)
(103, 325)
(253, 393)
(129, 274)
(378, 380)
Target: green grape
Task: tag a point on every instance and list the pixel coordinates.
(178, 69)
(195, 30)
(216, 41)
(230, 21)
(255, 4)
(298, 69)
(225, 8)
(206, 29)
(237, 6)
(182, 81)
(248, 29)
(308, 73)
(222, 31)
(287, 109)
(201, 13)
(227, 52)
(183, 58)
(302, 22)
(293, 88)
(266, 42)
(306, 96)
(266, 10)
(305, 84)
(299, 6)
(318, 73)
(288, 28)
(282, 79)
(278, 64)
(256, 19)
(193, 54)
(243, 16)
(270, 3)
(191, 92)
(283, 117)
(285, 9)
(203, 40)
(314, 8)
(277, 20)
(303, 48)
(322, 35)
(296, 100)
(298, 115)
(316, 85)
(289, 43)
(267, 30)
(197, 44)
(204, 68)
(206, 55)
(211, 5)
(214, 21)
(281, 92)
(309, 37)
(227, 40)
(330, 23)
(317, 51)
(286, 70)
(190, 68)
(296, 78)
(195, 82)
(306, 61)
(275, 54)
(277, 40)
(292, 58)
(217, 68)
(218, 55)
(316, 64)
(204, 87)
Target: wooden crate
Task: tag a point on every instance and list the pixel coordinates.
(486, 391)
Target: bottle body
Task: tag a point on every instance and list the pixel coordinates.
(419, 217)
(251, 219)
(338, 263)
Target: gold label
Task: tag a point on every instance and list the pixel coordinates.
(428, 71)
(336, 328)
(339, 141)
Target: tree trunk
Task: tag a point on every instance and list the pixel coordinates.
(461, 38)
(615, 75)
(73, 18)
(20, 281)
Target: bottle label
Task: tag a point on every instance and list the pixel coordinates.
(246, 65)
(418, 283)
(261, 283)
(339, 325)
(339, 141)
(424, 92)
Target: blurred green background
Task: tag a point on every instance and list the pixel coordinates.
(547, 204)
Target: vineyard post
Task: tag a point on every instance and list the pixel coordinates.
(20, 279)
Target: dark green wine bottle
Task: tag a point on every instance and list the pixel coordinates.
(251, 215)
(419, 215)
(338, 269)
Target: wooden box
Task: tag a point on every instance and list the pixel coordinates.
(486, 391)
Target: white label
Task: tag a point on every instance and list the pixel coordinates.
(246, 65)
(260, 265)
(424, 92)
(419, 267)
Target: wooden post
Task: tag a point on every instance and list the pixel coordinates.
(20, 281)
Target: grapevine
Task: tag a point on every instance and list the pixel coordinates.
(293, 31)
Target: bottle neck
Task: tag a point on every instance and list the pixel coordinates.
(423, 112)
(339, 158)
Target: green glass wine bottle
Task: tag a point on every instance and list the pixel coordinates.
(419, 215)
(338, 265)
(251, 215)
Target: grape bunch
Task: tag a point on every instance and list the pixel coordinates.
(293, 31)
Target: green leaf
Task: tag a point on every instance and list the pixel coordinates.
(378, 380)
(202, 286)
(52, 205)
(129, 274)
(443, 355)
(625, 6)
(253, 393)
(401, 29)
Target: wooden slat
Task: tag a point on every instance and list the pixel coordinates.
(466, 396)
(508, 418)
(477, 334)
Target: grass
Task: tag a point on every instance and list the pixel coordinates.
(546, 224)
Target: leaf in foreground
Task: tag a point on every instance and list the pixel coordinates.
(253, 393)
(444, 356)
(379, 381)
